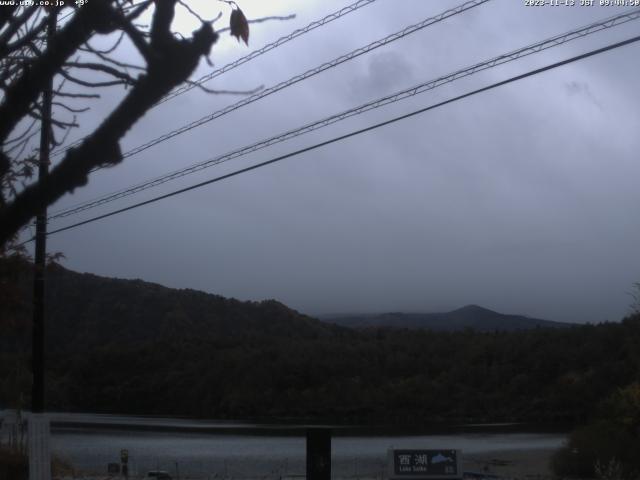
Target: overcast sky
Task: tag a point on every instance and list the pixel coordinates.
(523, 199)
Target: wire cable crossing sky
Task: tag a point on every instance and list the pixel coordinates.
(270, 46)
(554, 41)
(355, 133)
(305, 76)
(308, 74)
(256, 53)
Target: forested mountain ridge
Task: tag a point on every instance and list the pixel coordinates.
(471, 316)
(127, 346)
(91, 311)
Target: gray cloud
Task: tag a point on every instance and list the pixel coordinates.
(385, 73)
(521, 199)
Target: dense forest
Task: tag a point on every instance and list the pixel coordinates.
(128, 346)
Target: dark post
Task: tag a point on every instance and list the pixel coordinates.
(124, 459)
(37, 354)
(318, 454)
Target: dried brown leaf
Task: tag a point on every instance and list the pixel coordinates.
(239, 26)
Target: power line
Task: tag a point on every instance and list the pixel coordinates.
(256, 53)
(367, 48)
(304, 76)
(310, 73)
(401, 95)
(298, 78)
(356, 132)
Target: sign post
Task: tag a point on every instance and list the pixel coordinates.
(424, 464)
(318, 454)
(124, 459)
(39, 452)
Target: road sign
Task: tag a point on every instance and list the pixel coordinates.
(414, 464)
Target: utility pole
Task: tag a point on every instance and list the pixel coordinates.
(39, 428)
(37, 393)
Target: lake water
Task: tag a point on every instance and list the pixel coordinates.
(247, 454)
(209, 454)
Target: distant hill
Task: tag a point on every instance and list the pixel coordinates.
(87, 311)
(470, 317)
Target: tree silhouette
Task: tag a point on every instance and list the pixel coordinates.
(29, 60)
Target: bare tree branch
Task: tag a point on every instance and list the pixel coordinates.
(195, 14)
(18, 149)
(136, 38)
(109, 50)
(172, 63)
(86, 83)
(58, 123)
(112, 61)
(78, 95)
(100, 67)
(14, 26)
(161, 25)
(22, 135)
(139, 10)
(57, 143)
(31, 35)
(30, 62)
(6, 14)
(70, 109)
(224, 92)
(24, 90)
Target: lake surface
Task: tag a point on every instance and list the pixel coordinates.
(206, 449)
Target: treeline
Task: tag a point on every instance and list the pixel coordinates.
(134, 347)
(388, 376)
